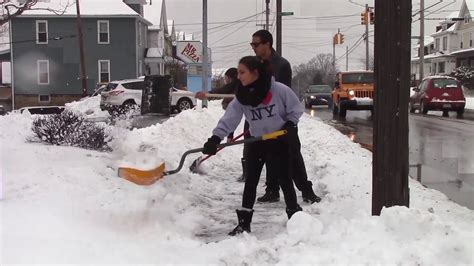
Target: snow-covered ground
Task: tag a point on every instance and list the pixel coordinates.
(469, 103)
(66, 205)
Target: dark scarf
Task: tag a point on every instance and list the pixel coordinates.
(254, 93)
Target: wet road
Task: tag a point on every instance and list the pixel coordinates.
(442, 146)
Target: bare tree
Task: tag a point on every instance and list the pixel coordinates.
(14, 8)
(371, 62)
(318, 70)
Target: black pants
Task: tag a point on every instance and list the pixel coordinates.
(275, 154)
(297, 169)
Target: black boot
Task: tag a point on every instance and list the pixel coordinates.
(310, 197)
(243, 177)
(245, 218)
(270, 196)
(291, 212)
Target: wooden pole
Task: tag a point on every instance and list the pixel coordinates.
(278, 28)
(81, 51)
(392, 83)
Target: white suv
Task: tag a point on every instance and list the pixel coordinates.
(128, 92)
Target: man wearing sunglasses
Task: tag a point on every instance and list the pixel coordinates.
(280, 68)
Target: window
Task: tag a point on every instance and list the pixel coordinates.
(140, 67)
(445, 43)
(437, 44)
(139, 31)
(137, 85)
(44, 98)
(41, 32)
(104, 71)
(103, 32)
(43, 72)
(441, 67)
(460, 41)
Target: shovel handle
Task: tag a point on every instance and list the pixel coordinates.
(232, 140)
(268, 136)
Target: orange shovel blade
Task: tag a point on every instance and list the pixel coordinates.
(142, 177)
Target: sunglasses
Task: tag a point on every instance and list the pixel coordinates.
(255, 44)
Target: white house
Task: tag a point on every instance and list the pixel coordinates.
(451, 46)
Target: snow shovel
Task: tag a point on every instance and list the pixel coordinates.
(148, 177)
(196, 163)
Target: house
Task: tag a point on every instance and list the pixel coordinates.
(160, 45)
(464, 55)
(451, 45)
(45, 49)
(5, 81)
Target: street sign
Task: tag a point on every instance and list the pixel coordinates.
(287, 13)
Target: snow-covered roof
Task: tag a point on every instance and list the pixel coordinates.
(462, 51)
(155, 52)
(154, 27)
(108, 8)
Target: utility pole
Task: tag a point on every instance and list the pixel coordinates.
(422, 40)
(347, 58)
(334, 53)
(278, 29)
(392, 83)
(81, 51)
(267, 13)
(367, 36)
(205, 65)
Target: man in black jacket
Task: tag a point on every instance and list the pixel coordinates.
(280, 68)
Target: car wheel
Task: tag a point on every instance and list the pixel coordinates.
(423, 108)
(412, 108)
(184, 104)
(460, 112)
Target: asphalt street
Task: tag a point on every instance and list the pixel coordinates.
(440, 148)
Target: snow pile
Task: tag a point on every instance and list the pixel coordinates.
(469, 103)
(89, 106)
(66, 205)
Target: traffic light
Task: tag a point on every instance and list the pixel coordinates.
(363, 18)
(338, 38)
(372, 17)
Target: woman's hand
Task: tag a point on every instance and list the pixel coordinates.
(210, 147)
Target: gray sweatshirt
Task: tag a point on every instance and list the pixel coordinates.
(268, 116)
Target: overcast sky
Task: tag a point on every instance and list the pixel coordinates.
(308, 32)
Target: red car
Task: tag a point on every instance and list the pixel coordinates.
(440, 93)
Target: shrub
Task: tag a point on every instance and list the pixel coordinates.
(69, 128)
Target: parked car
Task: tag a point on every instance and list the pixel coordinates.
(128, 93)
(440, 93)
(42, 110)
(2, 110)
(317, 95)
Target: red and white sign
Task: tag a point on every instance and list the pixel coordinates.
(189, 51)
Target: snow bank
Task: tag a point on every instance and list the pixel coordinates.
(66, 205)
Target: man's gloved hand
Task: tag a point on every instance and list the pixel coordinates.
(292, 130)
(210, 147)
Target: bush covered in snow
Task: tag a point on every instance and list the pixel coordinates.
(69, 128)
